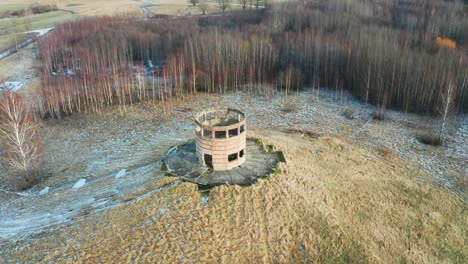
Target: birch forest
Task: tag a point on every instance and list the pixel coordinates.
(395, 54)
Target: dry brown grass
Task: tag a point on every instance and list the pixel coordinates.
(20, 65)
(147, 188)
(7, 41)
(331, 205)
(385, 152)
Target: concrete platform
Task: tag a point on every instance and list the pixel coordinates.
(182, 161)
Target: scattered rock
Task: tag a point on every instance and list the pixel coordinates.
(80, 183)
(44, 191)
(121, 173)
(205, 199)
(163, 211)
(433, 215)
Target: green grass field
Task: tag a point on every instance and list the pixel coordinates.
(31, 22)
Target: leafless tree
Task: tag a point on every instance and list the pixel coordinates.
(224, 4)
(22, 150)
(447, 103)
(203, 5)
(258, 3)
(373, 64)
(193, 2)
(251, 3)
(244, 3)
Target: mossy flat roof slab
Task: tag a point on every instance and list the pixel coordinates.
(182, 161)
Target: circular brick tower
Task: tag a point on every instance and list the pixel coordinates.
(221, 138)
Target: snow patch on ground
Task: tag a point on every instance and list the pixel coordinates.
(16, 193)
(12, 86)
(121, 173)
(79, 184)
(44, 191)
(40, 32)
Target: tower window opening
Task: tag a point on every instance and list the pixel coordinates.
(232, 157)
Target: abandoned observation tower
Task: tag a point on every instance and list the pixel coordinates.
(221, 138)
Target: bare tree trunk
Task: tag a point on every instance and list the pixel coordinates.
(23, 147)
(447, 98)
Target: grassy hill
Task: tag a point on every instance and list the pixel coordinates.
(334, 202)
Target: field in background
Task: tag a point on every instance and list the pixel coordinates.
(72, 9)
(10, 40)
(68, 10)
(183, 7)
(11, 25)
(82, 7)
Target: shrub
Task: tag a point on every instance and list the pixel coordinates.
(348, 112)
(289, 107)
(39, 9)
(446, 42)
(429, 138)
(378, 115)
(19, 12)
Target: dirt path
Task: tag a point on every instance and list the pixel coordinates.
(39, 33)
(146, 10)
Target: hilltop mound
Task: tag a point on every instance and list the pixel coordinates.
(333, 201)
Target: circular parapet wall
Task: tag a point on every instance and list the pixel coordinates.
(221, 138)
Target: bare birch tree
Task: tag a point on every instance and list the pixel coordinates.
(22, 150)
(447, 103)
